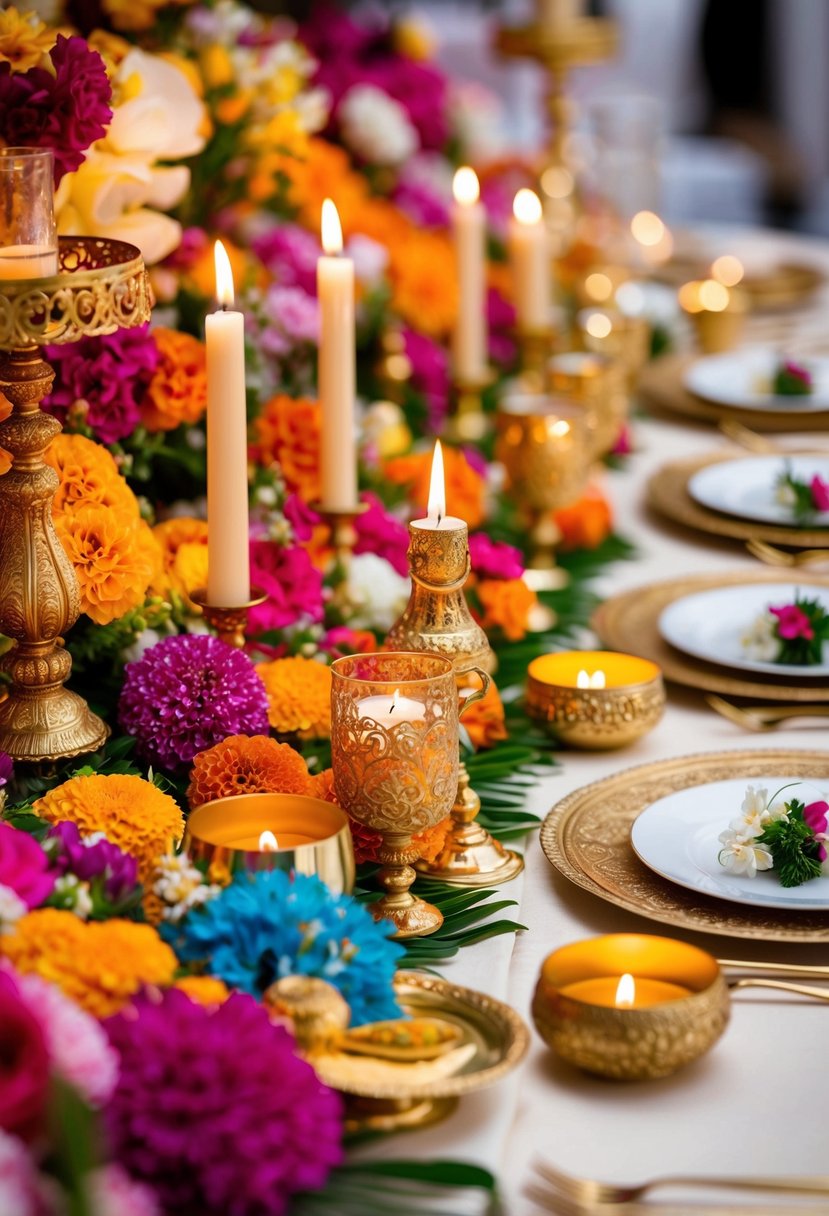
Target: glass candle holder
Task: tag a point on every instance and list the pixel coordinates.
(394, 751)
(606, 331)
(596, 383)
(28, 236)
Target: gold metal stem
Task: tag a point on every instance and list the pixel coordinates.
(411, 916)
(471, 857)
(468, 423)
(343, 539)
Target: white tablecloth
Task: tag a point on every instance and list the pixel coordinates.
(758, 1100)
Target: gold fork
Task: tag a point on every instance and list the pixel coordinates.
(553, 1201)
(773, 556)
(746, 438)
(764, 717)
(586, 1191)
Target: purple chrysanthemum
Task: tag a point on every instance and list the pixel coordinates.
(187, 693)
(195, 1081)
(93, 858)
(105, 378)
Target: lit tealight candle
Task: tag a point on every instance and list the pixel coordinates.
(530, 259)
(268, 842)
(336, 375)
(388, 712)
(717, 311)
(436, 517)
(469, 230)
(625, 992)
(595, 699)
(587, 679)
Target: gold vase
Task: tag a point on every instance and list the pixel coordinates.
(101, 286)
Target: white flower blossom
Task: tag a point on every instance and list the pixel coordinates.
(760, 642)
(74, 895)
(784, 494)
(180, 886)
(754, 814)
(379, 592)
(376, 127)
(12, 908)
(742, 856)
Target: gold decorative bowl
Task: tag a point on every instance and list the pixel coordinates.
(595, 719)
(633, 1043)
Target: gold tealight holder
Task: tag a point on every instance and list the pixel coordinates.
(718, 314)
(597, 384)
(630, 1007)
(606, 331)
(596, 700)
(250, 832)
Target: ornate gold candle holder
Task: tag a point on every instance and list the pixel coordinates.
(273, 832)
(229, 624)
(717, 312)
(595, 699)
(468, 422)
(340, 522)
(627, 339)
(536, 347)
(543, 443)
(596, 383)
(675, 1009)
(101, 286)
(394, 750)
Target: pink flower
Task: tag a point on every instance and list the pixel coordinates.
(624, 444)
(114, 1193)
(294, 318)
(792, 622)
(430, 374)
(290, 254)
(379, 532)
(820, 493)
(293, 586)
(24, 1064)
(300, 516)
(816, 815)
(494, 559)
(501, 324)
(23, 867)
(20, 1190)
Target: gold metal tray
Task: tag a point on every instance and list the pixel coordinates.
(587, 837)
(787, 285)
(667, 493)
(386, 1096)
(629, 622)
(661, 388)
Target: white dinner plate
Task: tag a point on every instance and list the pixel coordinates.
(710, 625)
(677, 837)
(748, 488)
(741, 378)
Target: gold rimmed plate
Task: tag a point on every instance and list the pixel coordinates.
(786, 285)
(630, 623)
(586, 836)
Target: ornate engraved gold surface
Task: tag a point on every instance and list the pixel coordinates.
(661, 387)
(587, 837)
(629, 623)
(597, 719)
(667, 493)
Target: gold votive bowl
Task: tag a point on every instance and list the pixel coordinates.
(717, 312)
(683, 1009)
(597, 384)
(313, 837)
(606, 331)
(593, 718)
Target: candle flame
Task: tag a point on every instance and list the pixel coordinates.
(526, 207)
(598, 325)
(224, 276)
(596, 680)
(394, 697)
(714, 296)
(268, 842)
(727, 270)
(465, 187)
(437, 486)
(626, 992)
(332, 232)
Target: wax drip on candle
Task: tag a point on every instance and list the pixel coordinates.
(268, 842)
(224, 277)
(626, 992)
(437, 486)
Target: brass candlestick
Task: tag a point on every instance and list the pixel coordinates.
(468, 423)
(229, 624)
(340, 522)
(101, 286)
(536, 347)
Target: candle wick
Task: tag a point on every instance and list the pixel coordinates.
(440, 517)
(391, 708)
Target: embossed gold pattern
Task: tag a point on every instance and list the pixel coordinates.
(597, 719)
(587, 837)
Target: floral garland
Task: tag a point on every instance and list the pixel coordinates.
(788, 837)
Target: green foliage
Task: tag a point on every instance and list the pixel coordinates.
(806, 651)
(389, 1188)
(793, 846)
(803, 506)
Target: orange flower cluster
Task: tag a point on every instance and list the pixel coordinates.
(484, 720)
(131, 812)
(464, 486)
(247, 764)
(183, 545)
(112, 550)
(203, 989)
(99, 964)
(5, 457)
(506, 603)
(586, 523)
(299, 696)
(287, 432)
(177, 392)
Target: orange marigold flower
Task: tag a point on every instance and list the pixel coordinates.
(203, 989)
(424, 282)
(464, 486)
(431, 842)
(287, 432)
(177, 538)
(177, 392)
(507, 603)
(484, 719)
(202, 272)
(322, 786)
(99, 964)
(247, 764)
(115, 557)
(5, 457)
(299, 696)
(88, 476)
(585, 523)
(324, 171)
(131, 812)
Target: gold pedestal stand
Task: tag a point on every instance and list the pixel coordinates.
(102, 286)
(536, 347)
(468, 423)
(229, 624)
(340, 522)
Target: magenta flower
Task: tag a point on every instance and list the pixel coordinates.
(624, 442)
(493, 558)
(293, 317)
(196, 1080)
(292, 583)
(792, 622)
(89, 860)
(501, 323)
(381, 533)
(430, 374)
(22, 1191)
(6, 769)
(24, 867)
(24, 1064)
(290, 253)
(816, 815)
(820, 493)
(300, 516)
(422, 204)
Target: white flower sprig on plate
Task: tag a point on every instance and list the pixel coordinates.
(789, 837)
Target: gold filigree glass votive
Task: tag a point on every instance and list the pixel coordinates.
(595, 699)
(394, 750)
(606, 331)
(597, 384)
(629, 1006)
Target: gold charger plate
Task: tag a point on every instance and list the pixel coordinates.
(630, 623)
(667, 493)
(661, 387)
(786, 286)
(586, 836)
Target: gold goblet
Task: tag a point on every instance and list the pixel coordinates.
(605, 331)
(394, 750)
(543, 443)
(596, 383)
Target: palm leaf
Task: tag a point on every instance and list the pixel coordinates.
(387, 1188)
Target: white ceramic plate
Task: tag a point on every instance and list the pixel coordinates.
(710, 625)
(740, 379)
(748, 488)
(677, 837)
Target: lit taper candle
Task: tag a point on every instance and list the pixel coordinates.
(530, 259)
(469, 231)
(228, 569)
(436, 517)
(336, 372)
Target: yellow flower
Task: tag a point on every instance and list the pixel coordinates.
(24, 39)
(183, 545)
(203, 989)
(138, 14)
(216, 66)
(115, 556)
(299, 696)
(99, 964)
(414, 39)
(131, 812)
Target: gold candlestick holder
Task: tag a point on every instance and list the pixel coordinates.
(468, 422)
(101, 286)
(340, 522)
(437, 619)
(229, 624)
(536, 347)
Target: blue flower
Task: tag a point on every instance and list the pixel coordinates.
(268, 925)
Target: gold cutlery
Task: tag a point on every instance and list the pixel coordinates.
(810, 971)
(815, 994)
(764, 717)
(748, 439)
(553, 1201)
(773, 556)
